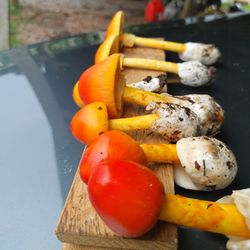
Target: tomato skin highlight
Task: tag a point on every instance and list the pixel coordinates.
(111, 145)
(127, 196)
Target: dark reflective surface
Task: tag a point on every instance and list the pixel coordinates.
(38, 156)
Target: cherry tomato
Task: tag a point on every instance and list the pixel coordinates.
(111, 145)
(127, 196)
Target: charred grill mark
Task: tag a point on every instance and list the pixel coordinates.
(204, 168)
(210, 130)
(188, 111)
(150, 133)
(209, 205)
(176, 133)
(229, 164)
(147, 79)
(207, 51)
(197, 165)
(206, 138)
(172, 106)
(163, 79)
(185, 98)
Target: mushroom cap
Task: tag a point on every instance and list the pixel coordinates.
(210, 113)
(89, 122)
(207, 54)
(76, 97)
(112, 146)
(194, 73)
(116, 24)
(175, 121)
(109, 46)
(207, 164)
(104, 82)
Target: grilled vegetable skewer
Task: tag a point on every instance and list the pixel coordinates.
(191, 73)
(207, 163)
(104, 82)
(207, 54)
(92, 120)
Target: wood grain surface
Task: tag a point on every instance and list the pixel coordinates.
(79, 227)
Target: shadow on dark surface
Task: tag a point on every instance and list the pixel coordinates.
(231, 89)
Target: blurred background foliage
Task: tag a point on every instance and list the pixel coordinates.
(32, 21)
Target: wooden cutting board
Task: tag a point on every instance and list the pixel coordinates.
(79, 227)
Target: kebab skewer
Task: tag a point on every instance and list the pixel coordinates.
(207, 163)
(191, 73)
(207, 54)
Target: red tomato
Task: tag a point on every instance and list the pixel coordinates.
(127, 196)
(111, 145)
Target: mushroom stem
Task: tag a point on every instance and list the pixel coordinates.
(132, 95)
(133, 123)
(204, 215)
(143, 98)
(151, 64)
(161, 153)
(192, 73)
(129, 40)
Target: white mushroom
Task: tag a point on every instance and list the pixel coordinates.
(210, 113)
(175, 121)
(205, 53)
(152, 84)
(241, 198)
(206, 164)
(195, 74)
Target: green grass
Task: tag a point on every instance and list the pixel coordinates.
(246, 7)
(15, 11)
(226, 6)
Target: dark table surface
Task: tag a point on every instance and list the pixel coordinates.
(38, 155)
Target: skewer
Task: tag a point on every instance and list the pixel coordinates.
(92, 120)
(207, 163)
(191, 73)
(104, 82)
(207, 54)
